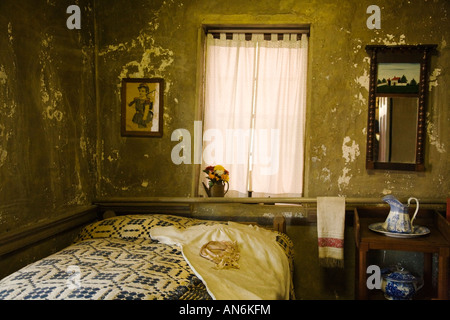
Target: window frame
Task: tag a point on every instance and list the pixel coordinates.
(204, 30)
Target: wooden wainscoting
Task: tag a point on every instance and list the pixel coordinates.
(29, 235)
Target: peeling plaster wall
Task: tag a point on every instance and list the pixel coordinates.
(151, 45)
(160, 39)
(47, 112)
(402, 22)
(60, 142)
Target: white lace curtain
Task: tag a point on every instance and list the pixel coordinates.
(254, 118)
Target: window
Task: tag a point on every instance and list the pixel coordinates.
(254, 111)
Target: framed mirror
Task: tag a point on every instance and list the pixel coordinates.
(397, 106)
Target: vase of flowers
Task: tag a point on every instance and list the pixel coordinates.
(218, 177)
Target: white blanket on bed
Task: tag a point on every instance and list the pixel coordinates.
(263, 266)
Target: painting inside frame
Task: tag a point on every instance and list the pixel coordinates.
(142, 107)
(402, 78)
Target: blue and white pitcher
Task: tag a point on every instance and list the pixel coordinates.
(398, 220)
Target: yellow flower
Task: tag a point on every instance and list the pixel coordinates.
(219, 169)
(217, 174)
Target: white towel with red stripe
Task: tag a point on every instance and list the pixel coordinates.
(330, 231)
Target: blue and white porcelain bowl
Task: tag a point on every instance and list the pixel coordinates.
(400, 285)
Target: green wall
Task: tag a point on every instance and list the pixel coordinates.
(161, 39)
(47, 111)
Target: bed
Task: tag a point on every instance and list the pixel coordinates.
(161, 256)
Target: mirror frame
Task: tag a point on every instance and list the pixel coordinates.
(401, 54)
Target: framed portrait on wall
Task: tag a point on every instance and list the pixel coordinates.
(142, 107)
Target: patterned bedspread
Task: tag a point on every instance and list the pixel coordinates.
(115, 259)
